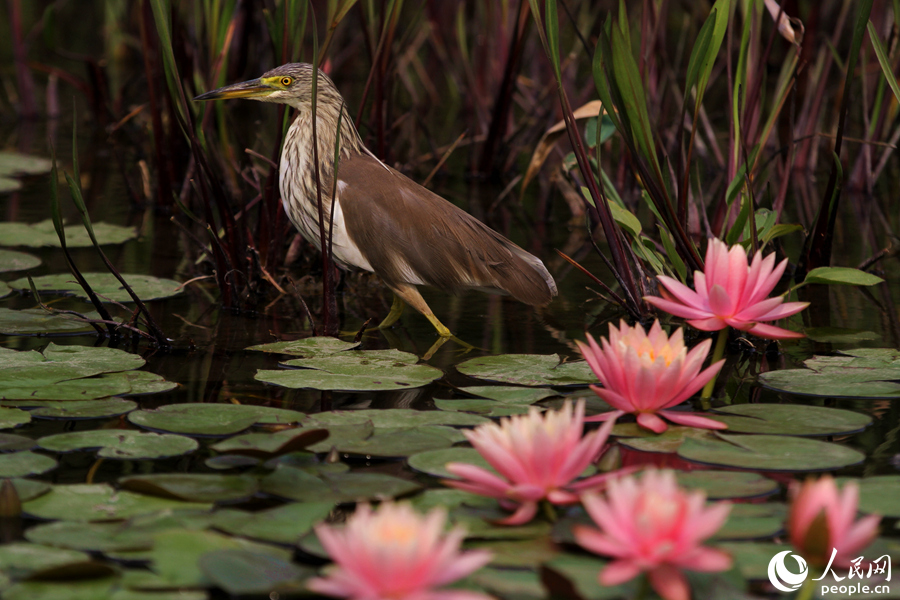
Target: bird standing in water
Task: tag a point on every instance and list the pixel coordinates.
(383, 221)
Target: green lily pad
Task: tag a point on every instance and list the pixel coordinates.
(518, 584)
(722, 485)
(241, 572)
(281, 525)
(105, 285)
(123, 444)
(790, 419)
(5, 290)
(753, 521)
(769, 453)
(59, 363)
(395, 417)
(24, 463)
(861, 373)
(8, 184)
(878, 494)
(89, 589)
(37, 321)
(357, 370)
(509, 394)
(175, 556)
(28, 489)
(85, 409)
(11, 260)
(131, 383)
(21, 559)
(265, 445)
(636, 437)
(194, 487)
(532, 370)
(839, 335)
(211, 419)
(99, 502)
(13, 417)
(307, 348)
(433, 462)
(581, 571)
(296, 484)
(519, 553)
(391, 441)
(752, 558)
(483, 407)
(16, 163)
(38, 235)
(10, 442)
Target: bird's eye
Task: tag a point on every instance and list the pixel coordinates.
(286, 81)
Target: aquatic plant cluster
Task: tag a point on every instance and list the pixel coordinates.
(723, 434)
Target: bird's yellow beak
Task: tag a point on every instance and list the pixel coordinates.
(255, 88)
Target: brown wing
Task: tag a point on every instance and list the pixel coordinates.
(411, 235)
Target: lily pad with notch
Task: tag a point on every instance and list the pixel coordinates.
(105, 285)
(395, 417)
(99, 502)
(769, 453)
(312, 347)
(194, 487)
(125, 444)
(533, 370)
(753, 521)
(43, 234)
(203, 419)
(34, 369)
(24, 463)
(76, 409)
(632, 435)
(265, 445)
(296, 484)
(13, 417)
(860, 373)
(725, 485)
(391, 442)
(282, 524)
(244, 572)
(790, 419)
(433, 462)
(37, 321)
(354, 370)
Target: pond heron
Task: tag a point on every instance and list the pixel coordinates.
(383, 221)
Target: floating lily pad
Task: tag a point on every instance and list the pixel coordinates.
(518, 584)
(509, 394)
(195, 487)
(5, 290)
(120, 443)
(10, 442)
(839, 335)
(790, 419)
(723, 485)
(86, 409)
(483, 407)
(282, 524)
(11, 260)
(13, 417)
(878, 494)
(16, 163)
(131, 383)
(60, 363)
(307, 348)
(357, 370)
(769, 453)
(395, 417)
(266, 445)
(581, 572)
(636, 437)
(37, 235)
(528, 369)
(22, 464)
(105, 285)
(753, 521)
(211, 419)
(860, 373)
(37, 321)
(96, 537)
(433, 462)
(21, 559)
(296, 484)
(242, 571)
(99, 502)
(27, 489)
(391, 441)
(519, 553)
(88, 589)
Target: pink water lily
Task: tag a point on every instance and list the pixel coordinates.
(647, 373)
(537, 457)
(731, 292)
(822, 519)
(650, 525)
(394, 553)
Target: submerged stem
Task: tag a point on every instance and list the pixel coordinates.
(718, 352)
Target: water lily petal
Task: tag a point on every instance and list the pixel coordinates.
(691, 420)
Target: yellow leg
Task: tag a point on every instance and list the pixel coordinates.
(410, 295)
(396, 311)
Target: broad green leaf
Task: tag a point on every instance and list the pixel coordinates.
(17, 261)
(433, 462)
(308, 347)
(105, 285)
(790, 419)
(392, 441)
(395, 417)
(22, 464)
(769, 453)
(38, 235)
(840, 276)
(581, 571)
(20, 559)
(194, 487)
(753, 521)
(37, 321)
(211, 419)
(860, 373)
(125, 444)
(98, 502)
(636, 437)
(282, 525)
(509, 394)
(878, 494)
(722, 485)
(241, 571)
(528, 370)
(264, 445)
(14, 163)
(295, 484)
(60, 363)
(13, 417)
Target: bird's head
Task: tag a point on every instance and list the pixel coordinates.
(288, 84)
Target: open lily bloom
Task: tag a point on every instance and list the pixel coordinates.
(822, 519)
(647, 373)
(731, 292)
(537, 457)
(395, 553)
(650, 525)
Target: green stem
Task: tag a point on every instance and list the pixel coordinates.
(643, 587)
(549, 510)
(806, 592)
(718, 352)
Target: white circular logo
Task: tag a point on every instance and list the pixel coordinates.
(781, 577)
